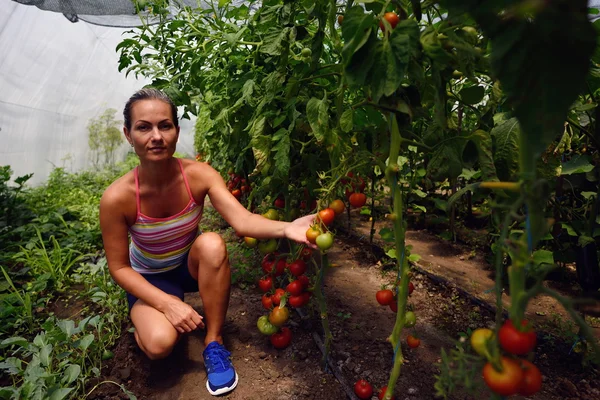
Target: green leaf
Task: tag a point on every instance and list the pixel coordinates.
(356, 30)
(472, 94)
(16, 340)
(506, 149)
(273, 40)
(346, 120)
(580, 163)
(391, 253)
(446, 161)
(413, 258)
(45, 353)
(282, 156)
(71, 373)
(387, 234)
(543, 257)
(86, 341)
(60, 393)
(485, 155)
(67, 326)
(588, 195)
(317, 113)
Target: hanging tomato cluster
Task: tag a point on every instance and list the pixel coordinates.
(507, 374)
(355, 187)
(319, 233)
(237, 185)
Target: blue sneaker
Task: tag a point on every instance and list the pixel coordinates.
(222, 378)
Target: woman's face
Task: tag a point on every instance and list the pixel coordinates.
(153, 132)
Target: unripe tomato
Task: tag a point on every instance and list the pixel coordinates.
(324, 241)
(479, 339)
(312, 233)
(271, 214)
(267, 246)
(337, 206)
(264, 326)
(384, 297)
(412, 341)
(363, 389)
(410, 319)
(250, 242)
(279, 316)
(532, 379)
(506, 382)
(267, 303)
(515, 341)
(327, 216)
(282, 339)
(357, 200)
(306, 52)
(392, 18)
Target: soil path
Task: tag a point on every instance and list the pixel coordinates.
(360, 328)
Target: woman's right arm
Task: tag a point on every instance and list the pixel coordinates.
(113, 225)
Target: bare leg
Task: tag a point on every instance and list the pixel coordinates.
(208, 262)
(155, 335)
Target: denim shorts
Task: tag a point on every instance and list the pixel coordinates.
(176, 282)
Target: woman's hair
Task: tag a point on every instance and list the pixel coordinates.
(148, 94)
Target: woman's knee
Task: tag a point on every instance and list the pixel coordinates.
(158, 343)
(210, 247)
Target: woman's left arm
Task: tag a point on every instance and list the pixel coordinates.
(246, 223)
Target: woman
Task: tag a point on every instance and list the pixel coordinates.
(158, 205)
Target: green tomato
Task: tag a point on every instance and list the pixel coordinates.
(265, 327)
(306, 52)
(324, 241)
(267, 246)
(250, 242)
(272, 214)
(479, 340)
(410, 319)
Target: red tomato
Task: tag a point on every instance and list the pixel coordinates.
(506, 382)
(282, 339)
(363, 389)
(357, 200)
(392, 18)
(411, 287)
(265, 284)
(297, 267)
(532, 379)
(279, 202)
(280, 267)
(237, 193)
(267, 264)
(306, 253)
(276, 298)
(337, 206)
(312, 233)
(412, 341)
(295, 288)
(245, 188)
(515, 341)
(384, 297)
(327, 216)
(297, 301)
(267, 302)
(394, 305)
(382, 393)
(305, 281)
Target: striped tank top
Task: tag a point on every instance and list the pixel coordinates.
(161, 244)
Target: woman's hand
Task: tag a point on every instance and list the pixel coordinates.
(296, 230)
(183, 317)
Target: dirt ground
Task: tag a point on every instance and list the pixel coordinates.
(444, 308)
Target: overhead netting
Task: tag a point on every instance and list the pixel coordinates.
(55, 76)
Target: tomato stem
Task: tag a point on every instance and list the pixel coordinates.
(320, 296)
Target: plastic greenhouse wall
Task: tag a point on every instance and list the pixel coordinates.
(55, 76)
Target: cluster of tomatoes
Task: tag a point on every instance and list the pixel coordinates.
(318, 233)
(386, 297)
(364, 390)
(275, 300)
(516, 375)
(237, 185)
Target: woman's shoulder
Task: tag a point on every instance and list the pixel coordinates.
(198, 168)
(120, 191)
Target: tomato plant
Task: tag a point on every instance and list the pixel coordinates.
(412, 341)
(384, 297)
(279, 315)
(265, 284)
(282, 339)
(324, 241)
(515, 341)
(337, 206)
(327, 216)
(267, 302)
(312, 233)
(297, 267)
(363, 389)
(506, 382)
(357, 200)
